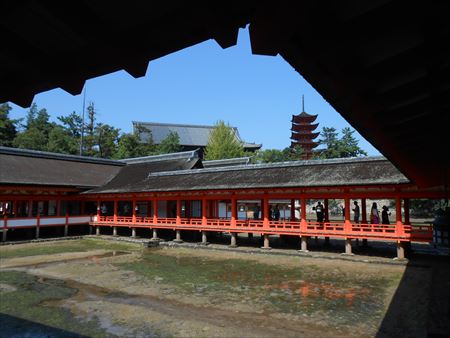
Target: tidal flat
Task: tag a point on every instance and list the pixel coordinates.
(101, 288)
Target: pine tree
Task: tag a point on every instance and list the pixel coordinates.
(37, 130)
(8, 129)
(222, 143)
(171, 144)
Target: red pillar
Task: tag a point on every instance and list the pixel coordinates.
(116, 205)
(363, 211)
(234, 214)
(325, 206)
(178, 211)
(292, 210)
(155, 210)
(398, 216)
(98, 209)
(347, 223)
(406, 208)
(303, 222)
(266, 212)
(204, 218)
(133, 217)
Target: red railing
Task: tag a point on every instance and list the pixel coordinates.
(331, 229)
(420, 233)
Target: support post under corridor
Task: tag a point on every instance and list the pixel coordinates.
(233, 243)
(304, 244)
(177, 236)
(348, 246)
(400, 250)
(204, 238)
(266, 245)
(155, 235)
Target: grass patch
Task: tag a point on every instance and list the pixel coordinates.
(23, 314)
(48, 248)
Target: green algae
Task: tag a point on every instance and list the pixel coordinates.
(48, 248)
(305, 291)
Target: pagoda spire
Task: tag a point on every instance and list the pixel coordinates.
(302, 132)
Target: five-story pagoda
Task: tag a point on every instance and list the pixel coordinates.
(302, 132)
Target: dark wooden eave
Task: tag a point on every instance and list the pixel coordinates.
(384, 65)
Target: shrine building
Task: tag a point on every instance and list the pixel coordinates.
(178, 192)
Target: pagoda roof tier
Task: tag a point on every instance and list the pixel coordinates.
(304, 136)
(304, 144)
(303, 118)
(304, 127)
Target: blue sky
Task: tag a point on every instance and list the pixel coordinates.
(201, 85)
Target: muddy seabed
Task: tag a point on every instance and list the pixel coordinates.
(194, 293)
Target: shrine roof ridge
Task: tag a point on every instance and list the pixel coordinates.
(271, 165)
(188, 155)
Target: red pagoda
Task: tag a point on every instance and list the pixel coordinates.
(302, 132)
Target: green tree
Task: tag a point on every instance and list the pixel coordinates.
(60, 140)
(335, 147)
(8, 129)
(106, 138)
(276, 155)
(349, 144)
(36, 130)
(329, 138)
(130, 145)
(222, 143)
(73, 123)
(89, 142)
(171, 144)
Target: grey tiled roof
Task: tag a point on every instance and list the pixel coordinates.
(312, 173)
(29, 167)
(190, 135)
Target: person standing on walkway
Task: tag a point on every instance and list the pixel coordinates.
(356, 212)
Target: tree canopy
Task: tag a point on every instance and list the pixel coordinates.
(8, 129)
(335, 147)
(222, 143)
(64, 135)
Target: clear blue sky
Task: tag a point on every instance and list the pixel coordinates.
(200, 85)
